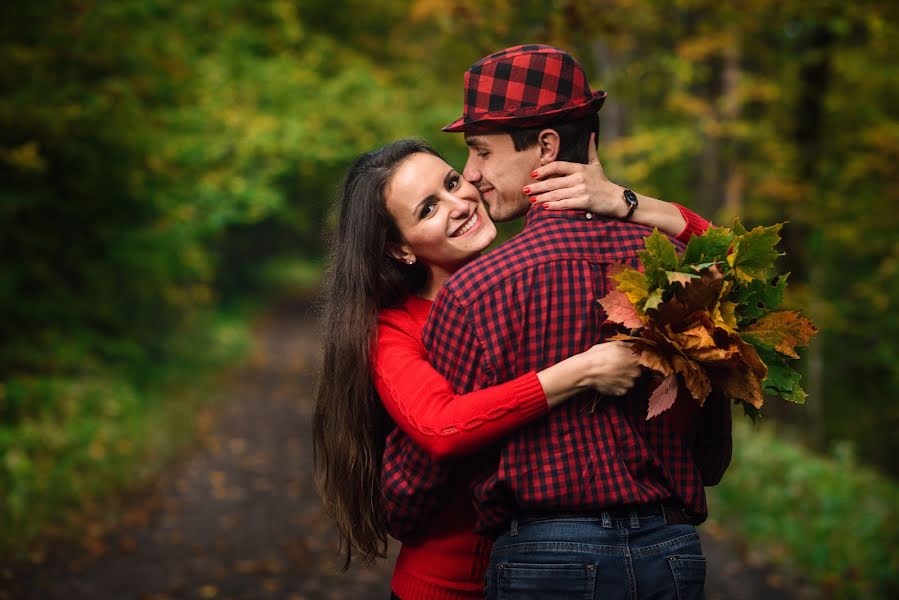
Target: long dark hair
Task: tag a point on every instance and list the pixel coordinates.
(350, 423)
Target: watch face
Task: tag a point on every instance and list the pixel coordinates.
(630, 197)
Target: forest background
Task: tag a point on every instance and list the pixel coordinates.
(166, 165)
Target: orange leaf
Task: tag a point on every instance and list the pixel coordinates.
(649, 356)
(694, 376)
(662, 397)
(783, 330)
(620, 310)
(739, 382)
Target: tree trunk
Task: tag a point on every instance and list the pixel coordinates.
(814, 81)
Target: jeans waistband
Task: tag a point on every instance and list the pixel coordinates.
(673, 513)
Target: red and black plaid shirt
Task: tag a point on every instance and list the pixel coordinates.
(528, 305)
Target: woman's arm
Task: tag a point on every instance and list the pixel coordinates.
(563, 185)
(444, 424)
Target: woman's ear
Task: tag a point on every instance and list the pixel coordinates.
(401, 252)
(548, 142)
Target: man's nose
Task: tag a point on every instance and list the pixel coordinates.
(471, 173)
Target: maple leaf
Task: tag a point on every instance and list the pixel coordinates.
(725, 316)
(659, 256)
(737, 381)
(782, 379)
(709, 248)
(633, 284)
(757, 298)
(650, 356)
(783, 331)
(620, 310)
(653, 300)
(681, 278)
(703, 292)
(754, 254)
(662, 397)
(694, 377)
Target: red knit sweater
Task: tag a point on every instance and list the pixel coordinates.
(440, 564)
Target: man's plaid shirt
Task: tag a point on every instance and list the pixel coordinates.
(528, 305)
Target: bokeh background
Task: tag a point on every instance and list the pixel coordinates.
(167, 167)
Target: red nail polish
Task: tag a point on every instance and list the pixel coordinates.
(533, 200)
(527, 191)
(546, 205)
(534, 174)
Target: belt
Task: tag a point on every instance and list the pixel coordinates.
(674, 514)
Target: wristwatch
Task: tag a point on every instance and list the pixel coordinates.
(630, 199)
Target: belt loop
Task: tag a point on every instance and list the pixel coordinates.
(635, 520)
(514, 528)
(606, 520)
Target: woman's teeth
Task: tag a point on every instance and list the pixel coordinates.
(471, 222)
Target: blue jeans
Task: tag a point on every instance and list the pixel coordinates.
(599, 558)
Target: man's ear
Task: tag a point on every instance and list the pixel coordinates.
(548, 142)
(401, 252)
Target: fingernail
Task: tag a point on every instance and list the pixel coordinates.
(534, 174)
(527, 191)
(533, 200)
(546, 205)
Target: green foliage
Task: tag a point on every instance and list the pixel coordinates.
(75, 440)
(826, 519)
(683, 317)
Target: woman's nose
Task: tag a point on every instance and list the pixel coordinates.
(458, 206)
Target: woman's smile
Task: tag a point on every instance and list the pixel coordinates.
(472, 223)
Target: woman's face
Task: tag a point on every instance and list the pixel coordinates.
(440, 215)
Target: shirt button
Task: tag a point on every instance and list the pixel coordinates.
(589, 216)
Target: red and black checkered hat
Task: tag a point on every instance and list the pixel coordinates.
(525, 86)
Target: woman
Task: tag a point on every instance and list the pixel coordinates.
(389, 257)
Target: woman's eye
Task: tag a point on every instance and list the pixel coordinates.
(426, 210)
(453, 183)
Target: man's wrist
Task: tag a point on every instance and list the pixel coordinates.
(630, 200)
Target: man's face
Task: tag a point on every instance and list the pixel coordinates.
(500, 172)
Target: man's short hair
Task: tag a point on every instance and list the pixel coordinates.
(574, 137)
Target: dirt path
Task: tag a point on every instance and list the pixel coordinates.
(240, 518)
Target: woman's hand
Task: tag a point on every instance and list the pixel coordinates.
(610, 368)
(564, 185)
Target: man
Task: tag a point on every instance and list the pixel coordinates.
(594, 499)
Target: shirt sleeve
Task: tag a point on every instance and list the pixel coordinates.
(696, 225)
(413, 487)
(713, 442)
(422, 403)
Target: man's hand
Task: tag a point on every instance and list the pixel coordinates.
(564, 185)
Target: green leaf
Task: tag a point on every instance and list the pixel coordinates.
(738, 228)
(757, 298)
(659, 256)
(653, 300)
(754, 254)
(782, 379)
(709, 248)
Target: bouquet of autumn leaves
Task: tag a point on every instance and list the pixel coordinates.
(707, 319)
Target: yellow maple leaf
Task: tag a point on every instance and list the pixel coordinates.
(783, 330)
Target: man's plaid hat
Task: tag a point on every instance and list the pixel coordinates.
(525, 86)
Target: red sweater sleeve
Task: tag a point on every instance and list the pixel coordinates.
(423, 404)
(696, 225)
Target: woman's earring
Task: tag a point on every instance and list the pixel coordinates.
(410, 261)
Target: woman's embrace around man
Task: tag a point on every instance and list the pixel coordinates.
(407, 449)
